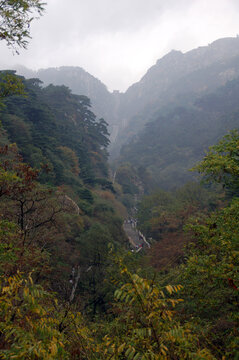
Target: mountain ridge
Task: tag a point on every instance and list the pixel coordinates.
(176, 78)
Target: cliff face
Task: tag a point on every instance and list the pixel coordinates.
(174, 141)
(185, 72)
(81, 83)
(176, 65)
(78, 80)
(175, 79)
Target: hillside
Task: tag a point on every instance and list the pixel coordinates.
(177, 79)
(70, 288)
(54, 185)
(166, 100)
(171, 143)
(104, 104)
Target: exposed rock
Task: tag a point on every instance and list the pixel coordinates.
(176, 78)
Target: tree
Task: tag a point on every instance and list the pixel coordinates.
(32, 217)
(28, 327)
(145, 325)
(15, 20)
(10, 84)
(210, 279)
(221, 163)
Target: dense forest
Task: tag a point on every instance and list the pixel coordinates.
(73, 285)
(176, 137)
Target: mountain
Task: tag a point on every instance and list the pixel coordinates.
(173, 141)
(51, 125)
(177, 79)
(104, 103)
(55, 191)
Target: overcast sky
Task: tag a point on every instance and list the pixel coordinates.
(118, 40)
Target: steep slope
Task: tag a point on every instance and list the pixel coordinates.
(177, 79)
(63, 211)
(51, 125)
(81, 83)
(173, 141)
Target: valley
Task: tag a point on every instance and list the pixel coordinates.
(119, 212)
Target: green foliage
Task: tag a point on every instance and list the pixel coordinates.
(209, 273)
(211, 278)
(214, 254)
(10, 84)
(175, 137)
(144, 325)
(61, 235)
(34, 325)
(53, 127)
(166, 212)
(15, 19)
(127, 178)
(73, 233)
(221, 163)
(8, 246)
(28, 330)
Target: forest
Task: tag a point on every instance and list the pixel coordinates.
(72, 285)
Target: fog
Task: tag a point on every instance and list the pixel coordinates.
(118, 41)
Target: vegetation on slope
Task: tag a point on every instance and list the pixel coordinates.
(135, 313)
(63, 292)
(175, 139)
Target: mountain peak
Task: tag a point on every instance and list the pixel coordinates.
(173, 54)
(227, 41)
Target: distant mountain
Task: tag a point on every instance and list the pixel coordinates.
(55, 127)
(81, 83)
(177, 79)
(173, 141)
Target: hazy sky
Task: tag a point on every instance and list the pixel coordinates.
(118, 40)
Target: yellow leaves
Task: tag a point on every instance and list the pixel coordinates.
(27, 320)
(121, 348)
(175, 288)
(53, 347)
(26, 292)
(107, 343)
(147, 310)
(175, 334)
(163, 349)
(123, 270)
(137, 356)
(169, 288)
(130, 353)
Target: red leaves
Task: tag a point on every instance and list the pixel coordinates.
(231, 284)
(17, 177)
